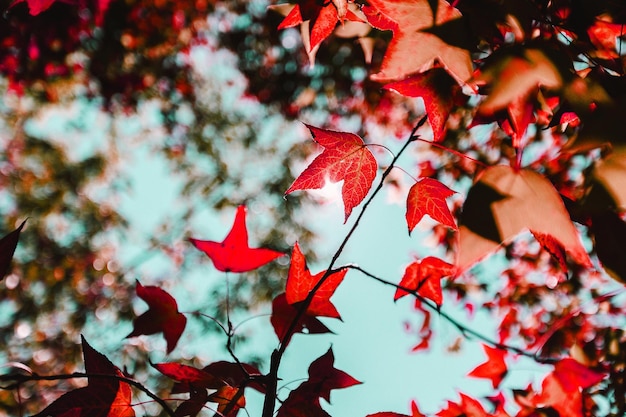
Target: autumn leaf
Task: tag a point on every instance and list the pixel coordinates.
(504, 202)
(162, 316)
(494, 368)
(300, 282)
(425, 277)
(194, 404)
(37, 6)
(215, 375)
(224, 397)
(189, 375)
(440, 93)
(102, 397)
(325, 377)
(428, 196)
(7, 248)
(411, 50)
(345, 158)
(467, 407)
(233, 254)
(283, 315)
(302, 402)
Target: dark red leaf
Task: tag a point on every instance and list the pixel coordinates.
(345, 158)
(300, 282)
(7, 248)
(161, 317)
(193, 406)
(233, 254)
(326, 377)
(189, 375)
(284, 313)
(102, 397)
(224, 397)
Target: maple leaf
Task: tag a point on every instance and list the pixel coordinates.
(194, 404)
(233, 254)
(440, 93)
(284, 313)
(102, 397)
(302, 402)
(224, 396)
(562, 388)
(162, 316)
(467, 407)
(346, 158)
(300, 282)
(325, 377)
(428, 196)
(494, 368)
(7, 248)
(504, 202)
(425, 277)
(411, 50)
(189, 375)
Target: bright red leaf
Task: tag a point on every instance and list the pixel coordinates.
(300, 282)
(199, 378)
(345, 158)
(224, 397)
(428, 196)
(102, 397)
(162, 316)
(411, 50)
(233, 254)
(283, 315)
(7, 248)
(425, 277)
(467, 407)
(440, 93)
(494, 368)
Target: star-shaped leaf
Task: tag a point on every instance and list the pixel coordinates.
(425, 277)
(102, 397)
(494, 368)
(233, 254)
(440, 93)
(283, 315)
(325, 377)
(345, 158)
(300, 282)
(428, 196)
(162, 316)
(411, 50)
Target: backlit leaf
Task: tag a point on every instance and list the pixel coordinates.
(428, 196)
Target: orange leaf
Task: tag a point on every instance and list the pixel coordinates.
(300, 282)
(428, 196)
(503, 203)
(411, 50)
(346, 158)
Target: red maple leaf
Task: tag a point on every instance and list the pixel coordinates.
(233, 254)
(440, 93)
(162, 316)
(102, 397)
(346, 158)
(300, 282)
(188, 375)
(224, 396)
(467, 407)
(325, 377)
(415, 412)
(494, 368)
(283, 315)
(221, 372)
(411, 50)
(428, 196)
(194, 404)
(7, 248)
(425, 277)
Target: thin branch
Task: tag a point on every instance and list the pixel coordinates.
(452, 151)
(21, 378)
(272, 376)
(463, 329)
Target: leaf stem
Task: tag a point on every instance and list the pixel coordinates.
(452, 151)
